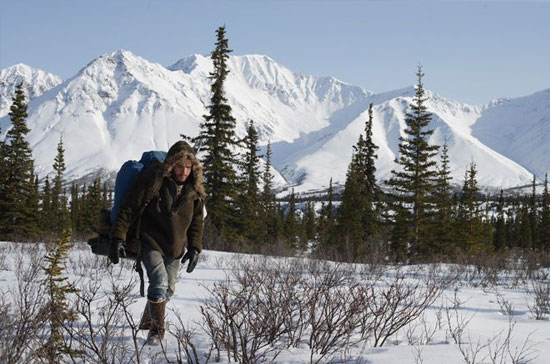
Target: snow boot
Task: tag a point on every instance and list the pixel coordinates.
(145, 323)
(156, 332)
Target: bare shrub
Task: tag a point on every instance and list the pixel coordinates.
(540, 307)
(237, 322)
(505, 307)
(21, 321)
(333, 316)
(187, 349)
(390, 308)
(101, 333)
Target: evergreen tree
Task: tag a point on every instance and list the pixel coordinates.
(533, 214)
(91, 205)
(415, 181)
(471, 228)
(441, 238)
(60, 216)
(217, 140)
(357, 216)
(3, 173)
(57, 310)
(291, 223)
(75, 207)
(525, 237)
(514, 231)
(105, 197)
(500, 225)
(33, 205)
(16, 217)
(544, 231)
(310, 229)
(327, 219)
(249, 210)
(46, 215)
(270, 216)
(350, 227)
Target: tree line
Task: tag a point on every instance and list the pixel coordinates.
(417, 214)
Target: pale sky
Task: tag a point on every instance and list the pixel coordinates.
(471, 51)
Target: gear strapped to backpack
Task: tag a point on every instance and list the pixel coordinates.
(127, 176)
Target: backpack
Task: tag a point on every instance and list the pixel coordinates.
(128, 174)
(126, 177)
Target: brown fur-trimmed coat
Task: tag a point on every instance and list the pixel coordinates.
(169, 222)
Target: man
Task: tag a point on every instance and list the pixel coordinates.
(168, 220)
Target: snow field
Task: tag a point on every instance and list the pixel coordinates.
(469, 317)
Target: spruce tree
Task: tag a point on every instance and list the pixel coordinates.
(33, 206)
(415, 181)
(349, 217)
(249, 209)
(218, 142)
(357, 215)
(525, 237)
(46, 214)
(91, 205)
(16, 217)
(310, 228)
(291, 223)
(60, 220)
(270, 216)
(544, 231)
(441, 238)
(75, 207)
(500, 225)
(533, 214)
(57, 310)
(471, 228)
(2, 163)
(328, 219)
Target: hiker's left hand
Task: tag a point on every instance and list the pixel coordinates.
(116, 251)
(193, 256)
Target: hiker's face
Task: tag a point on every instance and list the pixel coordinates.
(182, 169)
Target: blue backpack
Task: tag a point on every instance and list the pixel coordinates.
(128, 174)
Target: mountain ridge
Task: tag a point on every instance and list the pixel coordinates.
(123, 104)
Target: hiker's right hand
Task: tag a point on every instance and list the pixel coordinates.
(192, 255)
(116, 250)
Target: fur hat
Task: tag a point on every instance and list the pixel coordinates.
(179, 150)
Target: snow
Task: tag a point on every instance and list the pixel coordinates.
(468, 299)
(121, 104)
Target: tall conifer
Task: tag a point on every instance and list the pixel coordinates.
(441, 240)
(291, 227)
(270, 216)
(217, 140)
(473, 237)
(414, 182)
(249, 210)
(58, 198)
(533, 214)
(46, 213)
(544, 231)
(499, 238)
(357, 215)
(16, 218)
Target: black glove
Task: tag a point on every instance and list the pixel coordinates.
(117, 250)
(193, 256)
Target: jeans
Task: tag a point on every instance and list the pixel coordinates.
(162, 273)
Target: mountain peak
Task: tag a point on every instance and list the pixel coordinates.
(35, 82)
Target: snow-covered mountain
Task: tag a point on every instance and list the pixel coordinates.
(35, 82)
(313, 159)
(519, 129)
(120, 105)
